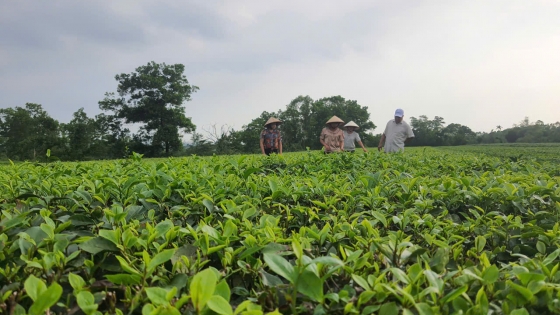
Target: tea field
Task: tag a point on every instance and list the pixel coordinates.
(469, 230)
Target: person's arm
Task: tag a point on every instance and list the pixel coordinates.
(280, 146)
(322, 139)
(362, 145)
(262, 145)
(381, 142)
(409, 134)
(341, 142)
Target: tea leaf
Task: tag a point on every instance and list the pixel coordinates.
(160, 258)
(280, 266)
(202, 288)
(219, 305)
(46, 299)
(34, 287)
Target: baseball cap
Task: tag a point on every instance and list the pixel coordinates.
(399, 112)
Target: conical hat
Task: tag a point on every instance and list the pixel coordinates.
(335, 119)
(272, 120)
(352, 124)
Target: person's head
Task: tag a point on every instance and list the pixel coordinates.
(351, 127)
(334, 122)
(272, 123)
(399, 114)
(333, 125)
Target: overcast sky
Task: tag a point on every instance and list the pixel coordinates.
(477, 63)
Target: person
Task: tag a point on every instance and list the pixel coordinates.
(351, 137)
(332, 137)
(271, 138)
(396, 134)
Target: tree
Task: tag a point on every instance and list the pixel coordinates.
(112, 139)
(427, 132)
(28, 132)
(80, 135)
(154, 96)
(457, 134)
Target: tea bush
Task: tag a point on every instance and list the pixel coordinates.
(430, 231)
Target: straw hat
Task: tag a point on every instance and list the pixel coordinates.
(272, 120)
(352, 124)
(335, 119)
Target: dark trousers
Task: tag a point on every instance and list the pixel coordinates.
(269, 151)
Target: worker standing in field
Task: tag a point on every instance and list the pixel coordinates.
(332, 137)
(351, 137)
(271, 137)
(396, 134)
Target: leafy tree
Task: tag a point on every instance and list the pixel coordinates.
(457, 134)
(112, 139)
(27, 132)
(80, 136)
(154, 96)
(427, 132)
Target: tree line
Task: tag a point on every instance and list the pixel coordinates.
(153, 97)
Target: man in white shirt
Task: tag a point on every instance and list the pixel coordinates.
(396, 134)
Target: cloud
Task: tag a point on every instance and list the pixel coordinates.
(476, 63)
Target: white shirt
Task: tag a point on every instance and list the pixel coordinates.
(396, 134)
(350, 140)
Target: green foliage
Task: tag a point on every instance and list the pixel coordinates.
(429, 231)
(153, 96)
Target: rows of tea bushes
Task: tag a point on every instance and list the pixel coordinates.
(425, 232)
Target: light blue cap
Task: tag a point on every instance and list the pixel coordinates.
(399, 112)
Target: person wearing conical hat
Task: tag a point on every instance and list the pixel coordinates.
(332, 137)
(271, 137)
(351, 137)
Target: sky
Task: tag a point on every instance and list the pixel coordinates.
(478, 63)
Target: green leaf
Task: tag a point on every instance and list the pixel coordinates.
(81, 220)
(126, 267)
(541, 247)
(76, 281)
(526, 293)
(519, 311)
(157, 296)
(47, 299)
(389, 309)
(454, 294)
(222, 289)
(280, 266)
(550, 258)
(311, 285)
(482, 300)
(86, 301)
(480, 242)
(270, 280)
(379, 216)
(160, 258)
(34, 287)
(249, 213)
(97, 244)
(124, 279)
(202, 288)
(424, 309)
(111, 235)
(329, 261)
(209, 205)
(491, 274)
(361, 282)
(219, 305)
